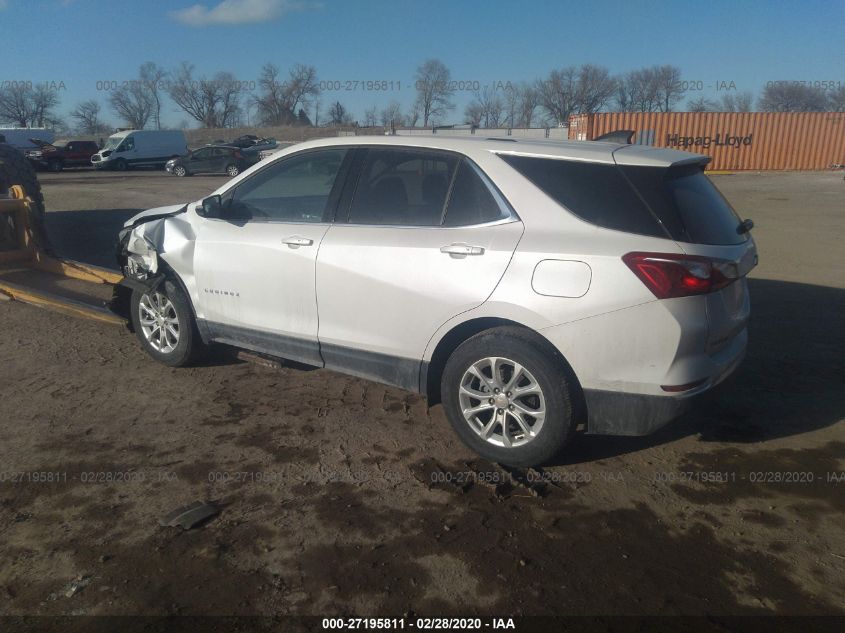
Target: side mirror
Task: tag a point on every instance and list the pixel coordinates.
(211, 207)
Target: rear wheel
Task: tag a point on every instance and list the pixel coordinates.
(165, 325)
(508, 398)
(233, 170)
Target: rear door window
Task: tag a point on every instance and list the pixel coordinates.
(472, 201)
(595, 192)
(402, 187)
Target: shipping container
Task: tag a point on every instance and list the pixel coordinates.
(734, 140)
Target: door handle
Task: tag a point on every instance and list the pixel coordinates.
(462, 250)
(294, 240)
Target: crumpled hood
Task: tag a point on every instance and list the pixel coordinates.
(156, 212)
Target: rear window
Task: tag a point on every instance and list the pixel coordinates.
(595, 192)
(677, 202)
(687, 203)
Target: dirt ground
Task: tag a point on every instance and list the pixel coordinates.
(341, 496)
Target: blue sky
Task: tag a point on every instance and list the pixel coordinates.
(76, 43)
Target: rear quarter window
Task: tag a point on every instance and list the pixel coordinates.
(688, 204)
(595, 192)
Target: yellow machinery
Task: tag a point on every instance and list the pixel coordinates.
(29, 274)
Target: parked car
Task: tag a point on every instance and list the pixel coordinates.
(211, 159)
(250, 141)
(56, 156)
(534, 288)
(140, 148)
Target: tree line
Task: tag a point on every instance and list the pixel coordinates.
(295, 97)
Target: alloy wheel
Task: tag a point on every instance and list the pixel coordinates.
(502, 402)
(159, 322)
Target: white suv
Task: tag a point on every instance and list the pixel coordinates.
(534, 288)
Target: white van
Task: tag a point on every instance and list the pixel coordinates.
(135, 148)
(20, 137)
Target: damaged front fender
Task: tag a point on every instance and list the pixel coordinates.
(156, 244)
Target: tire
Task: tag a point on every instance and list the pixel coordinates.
(180, 171)
(120, 165)
(55, 165)
(233, 170)
(168, 299)
(550, 388)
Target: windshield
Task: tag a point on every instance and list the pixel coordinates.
(113, 141)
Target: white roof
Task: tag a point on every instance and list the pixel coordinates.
(592, 151)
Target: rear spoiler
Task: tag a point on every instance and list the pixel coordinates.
(625, 137)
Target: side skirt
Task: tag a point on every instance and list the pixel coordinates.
(390, 370)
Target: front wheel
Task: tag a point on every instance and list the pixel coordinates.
(233, 170)
(508, 398)
(55, 165)
(180, 171)
(164, 324)
(120, 164)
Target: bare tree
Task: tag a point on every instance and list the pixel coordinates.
(87, 117)
(739, 102)
(16, 103)
(44, 102)
(510, 101)
(434, 90)
(595, 88)
(133, 103)
(529, 99)
(559, 93)
(836, 99)
(636, 91)
(371, 117)
(28, 105)
(474, 114)
(153, 77)
(670, 89)
(391, 116)
(339, 115)
(279, 100)
(702, 104)
(792, 97)
(302, 85)
(317, 103)
(486, 109)
(413, 115)
(213, 102)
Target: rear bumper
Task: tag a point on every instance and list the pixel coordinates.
(621, 413)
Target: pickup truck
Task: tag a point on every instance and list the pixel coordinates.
(61, 154)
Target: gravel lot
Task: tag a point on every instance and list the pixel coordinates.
(341, 496)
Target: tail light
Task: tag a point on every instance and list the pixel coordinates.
(669, 275)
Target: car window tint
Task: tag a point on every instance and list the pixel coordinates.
(595, 192)
(471, 201)
(295, 189)
(202, 154)
(688, 204)
(402, 187)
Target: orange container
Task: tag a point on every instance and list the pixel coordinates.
(734, 140)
